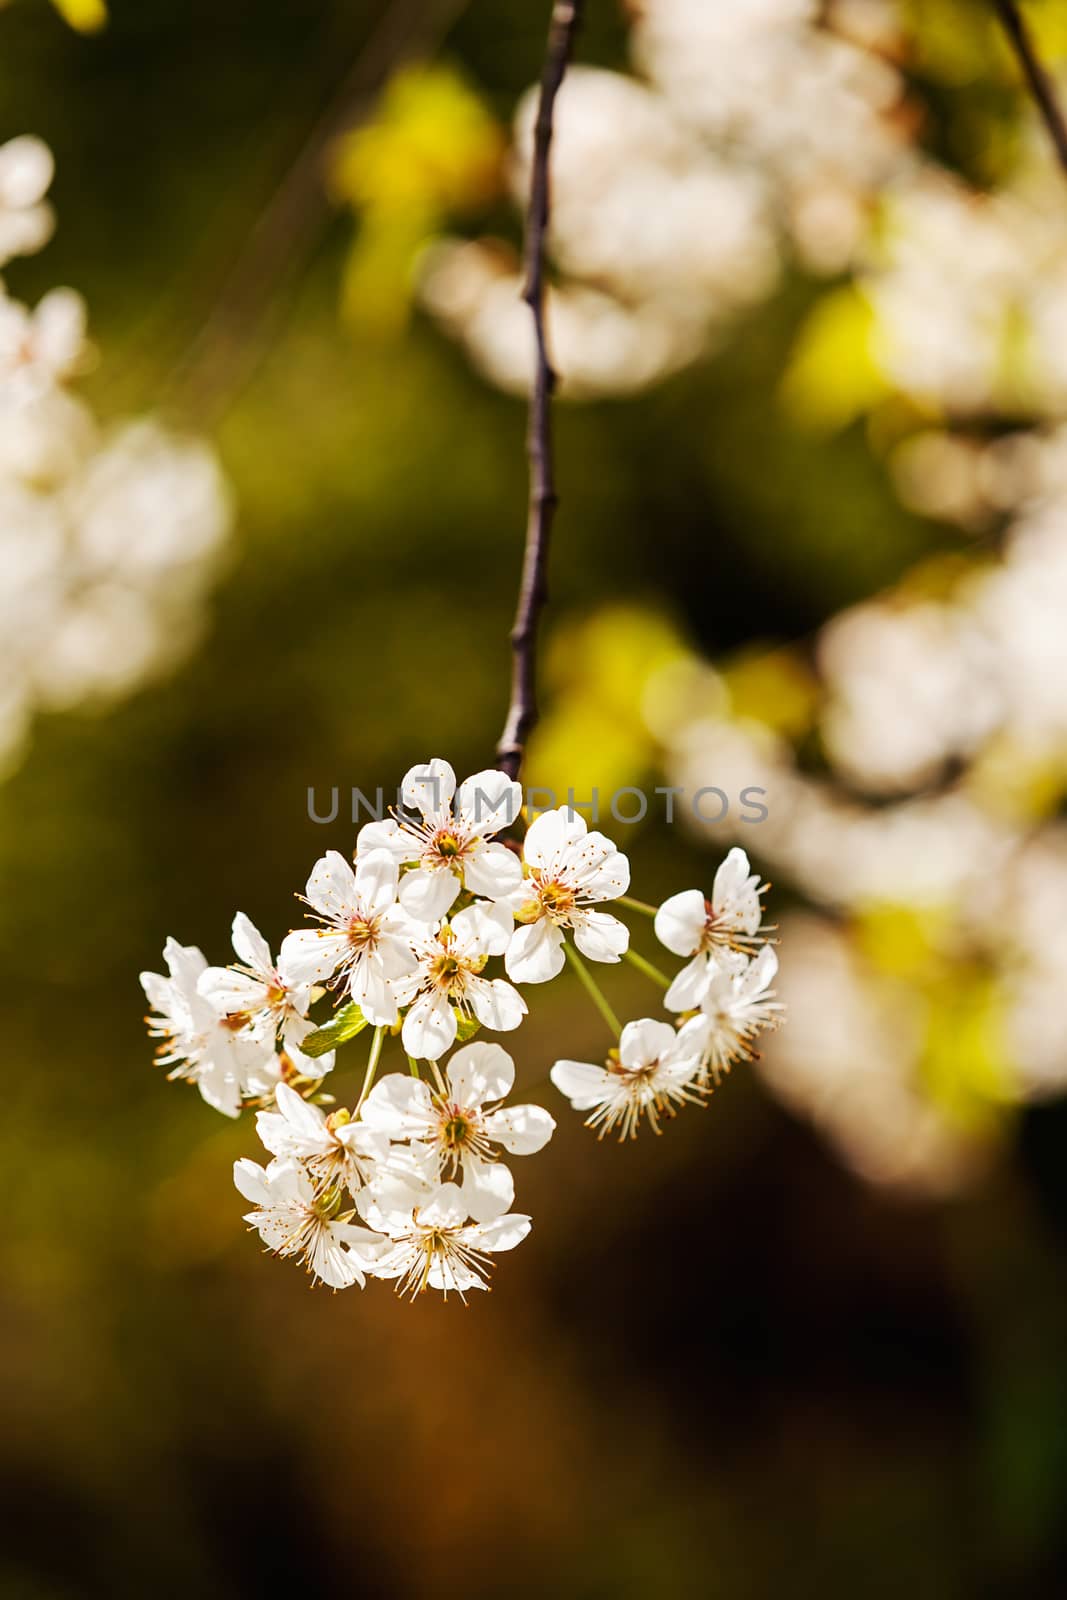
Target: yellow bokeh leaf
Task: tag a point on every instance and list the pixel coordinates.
(594, 734)
(903, 941)
(87, 16)
(432, 151)
(775, 687)
(965, 1070)
(433, 144)
(832, 376)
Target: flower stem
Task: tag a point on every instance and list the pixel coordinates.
(593, 990)
(372, 1065)
(414, 1065)
(647, 968)
(636, 905)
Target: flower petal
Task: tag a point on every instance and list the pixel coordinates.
(479, 1073)
(445, 1208)
(494, 871)
(303, 1118)
(400, 1106)
(599, 936)
(428, 894)
(395, 956)
(496, 1004)
(483, 929)
(598, 868)
(251, 1181)
(644, 1041)
(488, 1189)
(535, 952)
(220, 1088)
(250, 946)
(691, 985)
(452, 1277)
(229, 991)
(376, 880)
(372, 991)
(521, 1129)
(735, 892)
(680, 922)
(387, 835)
(550, 833)
(503, 1234)
(759, 974)
(311, 955)
(332, 1263)
(331, 888)
(488, 802)
(583, 1084)
(429, 789)
(185, 963)
(429, 1028)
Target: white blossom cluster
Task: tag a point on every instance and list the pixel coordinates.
(969, 292)
(753, 128)
(108, 537)
(410, 939)
(983, 886)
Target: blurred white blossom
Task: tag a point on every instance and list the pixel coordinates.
(109, 536)
(26, 219)
(751, 129)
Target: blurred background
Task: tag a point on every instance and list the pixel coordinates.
(260, 530)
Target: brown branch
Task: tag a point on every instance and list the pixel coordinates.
(1037, 79)
(533, 592)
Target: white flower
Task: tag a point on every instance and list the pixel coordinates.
(365, 937)
(689, 925)
(26, 220)
(334, 1151)
(569, 869)
(737, 1004)
(272, 1006)
(449, 846)
(433, 1244)
(40, 348)
(461, 1121)
(651, 1074)
(293, 1220)
(218, 1053)
(449, 981)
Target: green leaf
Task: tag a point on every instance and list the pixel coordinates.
(466, 1028)
(343, 1026)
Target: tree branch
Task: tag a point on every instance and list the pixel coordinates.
(533, 592)
(1037, 79)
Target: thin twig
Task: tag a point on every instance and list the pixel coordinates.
(219, 359)
(533, 592)
(1037, 79)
